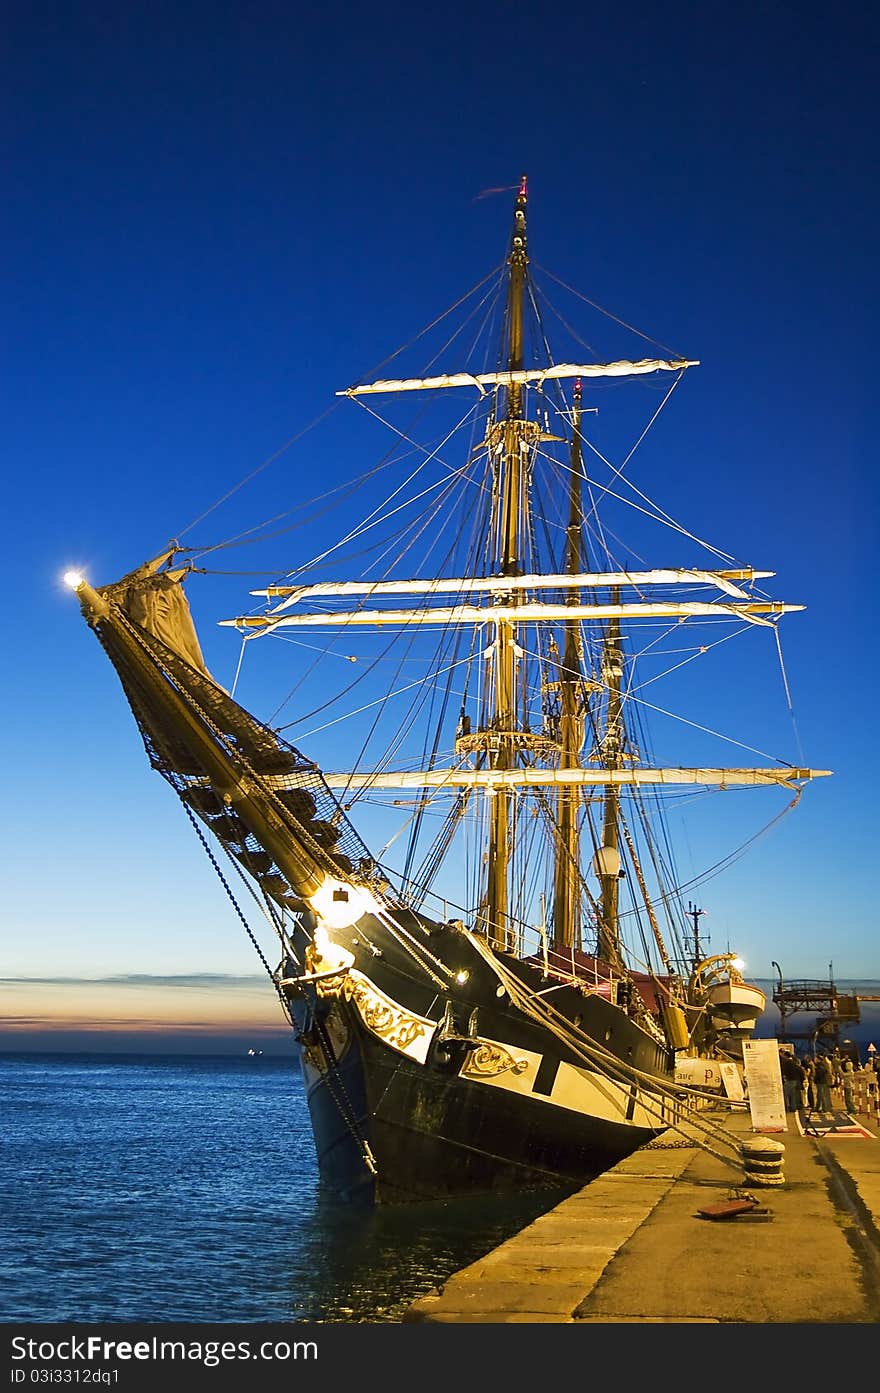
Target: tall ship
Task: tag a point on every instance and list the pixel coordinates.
(452, 822)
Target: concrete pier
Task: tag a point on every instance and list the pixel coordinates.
(632, 1246)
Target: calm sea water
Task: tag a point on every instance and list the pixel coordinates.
(172, 1188)
(185, 1188)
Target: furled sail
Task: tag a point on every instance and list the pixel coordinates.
(751, 611)
(524, 376)
(466, 585)
(154, 599)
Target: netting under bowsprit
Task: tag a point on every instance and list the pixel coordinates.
(293, 785)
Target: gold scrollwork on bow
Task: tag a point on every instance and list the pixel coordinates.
(330, 985)
(489, 1060)
(384, 1018)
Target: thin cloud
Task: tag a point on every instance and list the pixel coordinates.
(146, 979)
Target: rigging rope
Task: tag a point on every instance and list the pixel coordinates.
(259, 468)
(607, 313)
(797, 735)
(237, 907)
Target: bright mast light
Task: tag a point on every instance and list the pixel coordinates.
(74, 579)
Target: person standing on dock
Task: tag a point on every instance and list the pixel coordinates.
(808, 1088)
(792, 1081)
(836, 1078)
(847, 1069)
(824, 1077)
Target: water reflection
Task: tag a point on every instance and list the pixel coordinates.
(370, 1264)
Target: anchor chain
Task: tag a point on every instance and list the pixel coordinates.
(237, 907)
(334, 1082)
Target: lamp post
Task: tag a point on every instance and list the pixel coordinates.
(777, 997)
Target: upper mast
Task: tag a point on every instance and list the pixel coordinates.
(512, 436)
(500, 757)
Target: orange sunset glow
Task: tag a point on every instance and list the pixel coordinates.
(186, 1007)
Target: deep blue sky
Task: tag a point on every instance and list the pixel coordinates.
(216, 214)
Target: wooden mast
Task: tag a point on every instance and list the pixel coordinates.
(567, 880)
(513, 436)
(608, 855)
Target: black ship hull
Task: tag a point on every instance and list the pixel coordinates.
(417, 1093)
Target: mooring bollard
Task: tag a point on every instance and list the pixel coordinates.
(763, 1160)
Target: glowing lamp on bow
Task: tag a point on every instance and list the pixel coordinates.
(339, 905)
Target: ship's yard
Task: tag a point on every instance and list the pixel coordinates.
(634, 1246)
